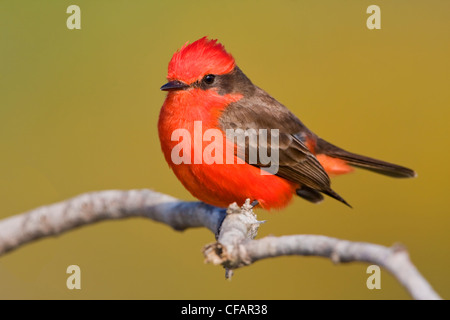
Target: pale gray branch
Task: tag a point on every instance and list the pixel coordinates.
(235, 230)
(395, 259)
(88, 208)
(236, 248)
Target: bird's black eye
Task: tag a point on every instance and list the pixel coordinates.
(209, 78)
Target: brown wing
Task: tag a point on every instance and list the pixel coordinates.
(258, 110)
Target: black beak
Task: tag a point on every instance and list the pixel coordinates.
(174, 85)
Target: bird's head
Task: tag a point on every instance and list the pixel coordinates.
(198, 65)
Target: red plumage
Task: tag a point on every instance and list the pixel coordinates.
(201, 57)
(216, 184)
(206, 85)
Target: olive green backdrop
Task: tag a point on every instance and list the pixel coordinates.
(78, 113)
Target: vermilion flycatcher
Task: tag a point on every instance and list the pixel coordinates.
(206, 87)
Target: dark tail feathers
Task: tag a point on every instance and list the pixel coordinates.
(315, 196)
(356, 160)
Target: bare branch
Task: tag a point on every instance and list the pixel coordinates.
(235, 248)
(395, 259)
(89, 208)
(235, 230)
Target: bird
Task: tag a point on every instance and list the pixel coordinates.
(206, 90)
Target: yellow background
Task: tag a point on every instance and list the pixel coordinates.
(78, 113)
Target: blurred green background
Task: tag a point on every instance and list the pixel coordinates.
(78, 113)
